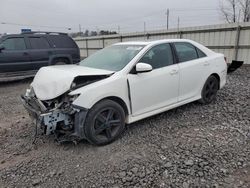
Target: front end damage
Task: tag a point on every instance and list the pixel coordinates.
(58, 116)
(50, 103)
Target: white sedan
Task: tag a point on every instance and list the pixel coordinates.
(121, 84)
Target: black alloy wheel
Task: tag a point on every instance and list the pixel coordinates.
(210, 90)
(105, 122)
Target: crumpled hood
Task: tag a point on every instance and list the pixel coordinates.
(52, 81)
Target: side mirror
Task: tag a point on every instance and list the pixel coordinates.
(143, 67)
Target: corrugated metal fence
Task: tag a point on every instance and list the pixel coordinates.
(233, 40)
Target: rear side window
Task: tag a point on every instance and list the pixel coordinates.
(14, 44)
(38, 43)
(200, 53)
(185, 51)
(62, 41)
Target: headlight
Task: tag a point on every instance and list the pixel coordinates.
(30, 92)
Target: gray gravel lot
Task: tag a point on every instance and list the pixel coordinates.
(191, 146)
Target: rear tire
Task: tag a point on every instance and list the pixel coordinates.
(105, 122)
(209, 90)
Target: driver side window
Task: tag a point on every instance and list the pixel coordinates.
(159, 56)
(14, 44)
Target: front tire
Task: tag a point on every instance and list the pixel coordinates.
(209, 90)
(105, 122)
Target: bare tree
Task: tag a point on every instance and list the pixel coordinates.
(245, 8)
(228, 10)
(235, 10)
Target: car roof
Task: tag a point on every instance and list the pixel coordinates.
(152, 42)
(35, 34)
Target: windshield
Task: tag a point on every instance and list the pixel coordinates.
(113, 58)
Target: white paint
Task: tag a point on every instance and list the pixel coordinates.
(151, 92)
(52, 81)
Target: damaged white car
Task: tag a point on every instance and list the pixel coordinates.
(121, 84)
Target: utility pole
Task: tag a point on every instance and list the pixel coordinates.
(144, 26)
(167, 13)
(248, 10)
(248, 13)
(239, 17)
(119, 29)
(178, 25)
(80, 28)
(97, 30)
(178, 28)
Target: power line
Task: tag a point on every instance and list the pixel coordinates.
(195, 9)
(154, 13)
(30, 25)
(131, 20)
(186, 21)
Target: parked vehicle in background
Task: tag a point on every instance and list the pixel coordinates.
(123, 83)
(25, 53)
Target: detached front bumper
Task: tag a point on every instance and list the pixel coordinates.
(32, 106)
(47, 120)
(51, 120)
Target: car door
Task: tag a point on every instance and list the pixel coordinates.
(193, 67)
(40, 51)
(156, 89)
(14, 57)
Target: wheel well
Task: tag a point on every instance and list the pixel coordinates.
(217, 77)
(120, 102)
(63, 59)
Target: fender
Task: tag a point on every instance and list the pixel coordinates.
(105, 88)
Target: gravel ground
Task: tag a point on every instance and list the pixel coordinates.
(191, 146)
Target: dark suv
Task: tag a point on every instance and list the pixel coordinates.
(27, 52)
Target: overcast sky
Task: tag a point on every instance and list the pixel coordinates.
(129, 15)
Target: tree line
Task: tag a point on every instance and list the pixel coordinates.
(88, 33)
(235, 10)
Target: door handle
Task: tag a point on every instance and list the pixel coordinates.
(206, 63)
(25, 53)
(174, 71)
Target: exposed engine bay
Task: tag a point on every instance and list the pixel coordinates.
(53, 115)
(59, 116)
